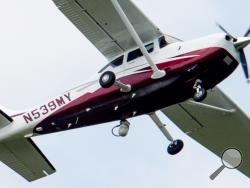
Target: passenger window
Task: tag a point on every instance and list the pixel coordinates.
(117, 62)
(134, 54)
(137, 53)
(150, 47)
(162, 42)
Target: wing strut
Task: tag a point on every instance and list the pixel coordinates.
(156, 72)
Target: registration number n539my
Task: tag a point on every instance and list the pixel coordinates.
(47, 108)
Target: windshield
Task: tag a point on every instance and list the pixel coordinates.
(115, 63)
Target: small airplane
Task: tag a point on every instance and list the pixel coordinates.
(147, 72)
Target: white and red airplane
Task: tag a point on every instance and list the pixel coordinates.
(148, 71)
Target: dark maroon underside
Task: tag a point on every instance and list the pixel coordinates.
(151, 95)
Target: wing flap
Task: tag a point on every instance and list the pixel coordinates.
(25, 158)
(223, 127)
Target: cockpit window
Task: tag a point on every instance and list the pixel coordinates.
(162, 42)
(137, 53)
(117, 62)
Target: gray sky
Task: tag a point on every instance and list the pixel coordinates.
(43, 54)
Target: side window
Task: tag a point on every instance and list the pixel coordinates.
(137, 53)
(134, 54)
(162, 42)
(117, 62)
(150, 47)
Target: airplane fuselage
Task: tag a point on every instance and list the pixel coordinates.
(210, 59)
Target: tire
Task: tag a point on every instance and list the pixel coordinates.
(200, 96)
(175, 147)
(107, 79)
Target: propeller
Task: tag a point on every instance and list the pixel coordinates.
(243, 61)
(225, 31)
(247, 33)
(240, 43)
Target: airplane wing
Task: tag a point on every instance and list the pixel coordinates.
(216, 123)
(25, 158)
(4, 119)
(101, 24)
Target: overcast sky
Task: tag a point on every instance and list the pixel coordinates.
(42, 55)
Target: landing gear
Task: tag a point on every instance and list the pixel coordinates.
(123, 129)
(108, 79)
(200, 92)
(173, 148)
(176, 145)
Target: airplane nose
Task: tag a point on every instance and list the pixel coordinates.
(242, 42)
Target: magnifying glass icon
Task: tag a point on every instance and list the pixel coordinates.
(231, 159)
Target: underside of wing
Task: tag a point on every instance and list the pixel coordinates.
(217, 123)
(5, 119)
(25, 158)
(101, 24)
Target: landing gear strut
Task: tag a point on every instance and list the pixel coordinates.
(200, 92)
(176, 145)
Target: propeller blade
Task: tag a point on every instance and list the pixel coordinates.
(224, 30)
(247, 33)
(244, 64)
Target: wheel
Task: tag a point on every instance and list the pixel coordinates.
(201, 95)
(175, 147)
(107, 79)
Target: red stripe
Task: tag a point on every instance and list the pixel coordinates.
(16, 115)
